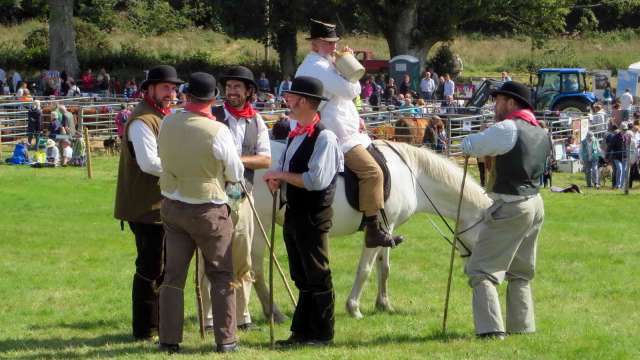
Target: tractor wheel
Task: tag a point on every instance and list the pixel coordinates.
(572, 106)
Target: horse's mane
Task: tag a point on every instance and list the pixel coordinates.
(444, 170)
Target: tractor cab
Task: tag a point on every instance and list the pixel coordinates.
(563, 89)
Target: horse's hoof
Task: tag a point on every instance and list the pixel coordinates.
(384, 306)
(280, 318)
(353, 309)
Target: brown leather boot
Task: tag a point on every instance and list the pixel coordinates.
(375, 235)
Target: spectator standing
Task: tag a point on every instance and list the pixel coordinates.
(590, 155)
(74, 90)
(121, 119)
(505, 76)
(427, 86)
(367, 88)
(618, 151)
(448, 90)
(607, 97)
(435, 77)
(23, 91)
(14, 79)
(440, 89)
(103, 82)
(285, 85)
(626, 102)
(263, 83)
(405, 87)
(88, 81)
(3, 76)
(390, 91)
(64, 83)
(34, 126)
(68, 121)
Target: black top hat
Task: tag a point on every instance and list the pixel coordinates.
(322, 31)
(201, 86)
(161, 73)
(238, 73)
(517, 91)
(307, 86)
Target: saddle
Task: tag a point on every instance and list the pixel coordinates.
(352, 186)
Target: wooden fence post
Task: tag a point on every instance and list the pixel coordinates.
(88, 152)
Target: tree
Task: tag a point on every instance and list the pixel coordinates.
(413, 26)
(62, 37)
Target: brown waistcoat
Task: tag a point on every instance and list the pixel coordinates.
(138, 193)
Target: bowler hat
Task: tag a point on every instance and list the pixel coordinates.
(517, 91)
(307, 86)
(323, 31)
(201, 86)
(159, 74)
(239, 73)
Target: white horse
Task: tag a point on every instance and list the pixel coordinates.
(439, 177)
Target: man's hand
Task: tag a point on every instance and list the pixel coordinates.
(347, 49)
(272, 178)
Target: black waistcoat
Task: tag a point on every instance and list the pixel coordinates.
(518, 171)
(300, 198)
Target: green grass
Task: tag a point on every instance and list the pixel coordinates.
(66, 277)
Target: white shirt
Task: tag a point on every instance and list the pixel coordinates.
(145, 146)
(67, 152)
(238, 129)
(427, 85)
(339, 114)
(449, 88)
(626, 100)
(224, 150)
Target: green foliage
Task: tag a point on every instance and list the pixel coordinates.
(101, 13)
(561, 56)
(443, 61)
(88, 38)
(155, 17)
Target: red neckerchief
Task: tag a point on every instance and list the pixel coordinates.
(164, 111)
(190, 107)
(307, 129)
(247, 112)
(524, 115)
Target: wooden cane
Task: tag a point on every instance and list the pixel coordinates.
(88, 153)
(453, 247)
(266, 239)
(199, 296)
(271, 257)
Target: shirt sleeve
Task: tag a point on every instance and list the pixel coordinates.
(325, 162)
(263, 146)
(337, 85)
(496, 140)
(224, 149)
(145, 146)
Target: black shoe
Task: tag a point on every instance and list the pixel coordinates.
(169, 348)
(496, 335)
(226, 348)
(376, 236)
(293, 340)
(317, 343)
(248, 327)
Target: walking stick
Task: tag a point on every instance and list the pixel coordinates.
(199, 297)
(266, 239)
(271, 257)
(453, 247)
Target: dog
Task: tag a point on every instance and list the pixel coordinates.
(111, 145)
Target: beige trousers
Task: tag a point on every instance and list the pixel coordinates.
(370, 178)
(207, 227)
(242, 273)
(506, 249)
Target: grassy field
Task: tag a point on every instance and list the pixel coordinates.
(482, 56)
(66, 276)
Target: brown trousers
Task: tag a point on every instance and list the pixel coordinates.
(207, 227)
(370, 178)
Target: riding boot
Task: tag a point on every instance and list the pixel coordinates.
(375, 235)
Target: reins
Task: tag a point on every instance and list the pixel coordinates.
(433, 205)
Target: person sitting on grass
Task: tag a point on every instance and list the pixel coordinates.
(53, 154)
(67, 152)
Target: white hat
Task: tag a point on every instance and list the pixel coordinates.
(51, 143)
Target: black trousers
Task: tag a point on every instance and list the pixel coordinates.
(481, 171)
(148, 277)
(305, 236)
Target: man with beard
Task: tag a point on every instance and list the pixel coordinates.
(138, 195)
(339, 114)
(251, 138)
(506, 248)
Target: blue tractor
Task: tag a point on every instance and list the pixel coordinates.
(563, 89)
(557, 90)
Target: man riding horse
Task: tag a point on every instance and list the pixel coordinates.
(339, 114)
